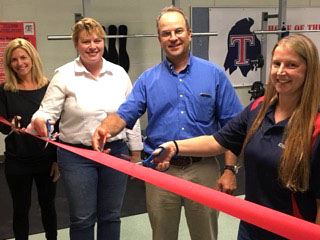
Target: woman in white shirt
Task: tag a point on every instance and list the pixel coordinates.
(82, 93)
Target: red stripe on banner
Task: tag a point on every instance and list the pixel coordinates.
(269, 219)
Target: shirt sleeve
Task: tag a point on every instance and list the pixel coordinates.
(233, 134)
(53, 101)
(135, 106)
(227, 102)
(134, 139)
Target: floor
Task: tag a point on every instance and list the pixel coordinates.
(138, 227)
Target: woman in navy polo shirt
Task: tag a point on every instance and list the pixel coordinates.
(275, 138)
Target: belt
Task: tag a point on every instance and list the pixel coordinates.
(184, 161)
(181, 161)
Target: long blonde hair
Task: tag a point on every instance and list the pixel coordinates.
(11, 78)
(295, 163)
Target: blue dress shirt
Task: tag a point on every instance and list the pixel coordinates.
(197, 101)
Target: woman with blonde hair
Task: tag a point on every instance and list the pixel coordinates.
(13, 82)
(26, 158)
(83, 92)
(281, 157)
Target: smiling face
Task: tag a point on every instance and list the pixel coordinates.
(21, 63)
(90, 48)
(174, 37)
(288, 71)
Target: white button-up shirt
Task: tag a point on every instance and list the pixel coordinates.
(83, 101)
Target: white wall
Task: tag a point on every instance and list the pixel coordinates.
(57, 17)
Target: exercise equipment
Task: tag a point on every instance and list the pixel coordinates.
(123, 55)
(105, 53)
(113, 54)
(257, 90)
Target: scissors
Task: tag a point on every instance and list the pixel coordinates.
(51, 136)
(148, 162)
(15, 125)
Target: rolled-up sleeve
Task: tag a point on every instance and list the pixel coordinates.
(134, 139)
(135, 106)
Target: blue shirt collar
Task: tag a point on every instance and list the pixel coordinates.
(170, 67)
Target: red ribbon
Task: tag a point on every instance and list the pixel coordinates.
(269, 219)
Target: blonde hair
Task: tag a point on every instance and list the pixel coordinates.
(295, 162)
(88, 24)
(172, 9)
(12, 79)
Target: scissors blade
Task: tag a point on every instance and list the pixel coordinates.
(10, 132)
(147, 162)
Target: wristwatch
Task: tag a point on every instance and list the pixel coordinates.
(232, 168)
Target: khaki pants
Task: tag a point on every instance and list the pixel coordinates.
(164, 207)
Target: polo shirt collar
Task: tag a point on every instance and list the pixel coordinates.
(79, 67)
(270, 116)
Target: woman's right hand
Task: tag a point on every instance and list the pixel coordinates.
(40, 125)
(15, 124)
(163, 160)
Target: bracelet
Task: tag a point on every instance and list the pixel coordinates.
(177, 148)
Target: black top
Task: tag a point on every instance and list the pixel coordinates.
(24, 153)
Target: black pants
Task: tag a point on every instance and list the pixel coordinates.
(20, 188)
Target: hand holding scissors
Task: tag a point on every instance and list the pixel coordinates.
(15, 124)
(50, 135)
(149, 161)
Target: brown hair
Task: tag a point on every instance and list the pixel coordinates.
(294, 168)
(172, 9)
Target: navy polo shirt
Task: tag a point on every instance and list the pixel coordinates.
(196, 101)
(261, 160)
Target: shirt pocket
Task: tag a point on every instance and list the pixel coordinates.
(203, 107)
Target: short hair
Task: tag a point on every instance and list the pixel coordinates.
(172, 9)
(90, 26)
(11, 78)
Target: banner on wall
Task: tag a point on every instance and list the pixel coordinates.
(236, 46)
(12, 30)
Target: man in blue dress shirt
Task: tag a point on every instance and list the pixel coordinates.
(184, 97)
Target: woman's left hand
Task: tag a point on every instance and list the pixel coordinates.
(55, 172)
